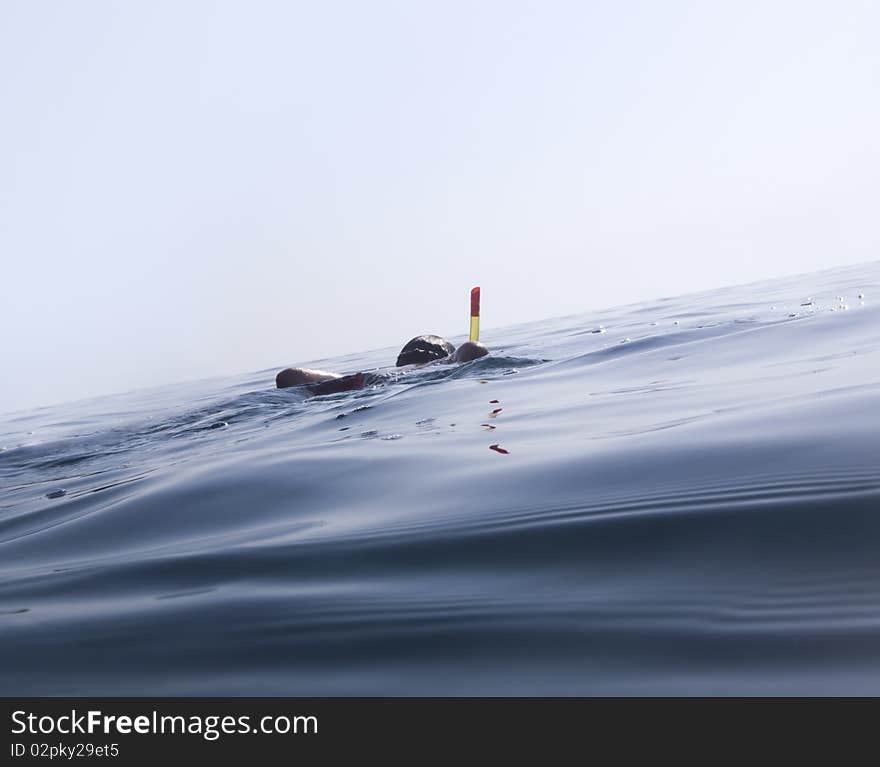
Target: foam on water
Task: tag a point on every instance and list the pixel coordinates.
(679, 496)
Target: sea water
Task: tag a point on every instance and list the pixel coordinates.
(675, 497)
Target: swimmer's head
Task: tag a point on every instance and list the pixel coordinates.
(423, 349)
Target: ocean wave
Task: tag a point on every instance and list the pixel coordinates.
(659, 508)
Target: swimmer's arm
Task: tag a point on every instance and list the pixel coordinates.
(338, 384)
(469, 350)
(299, 376)
(319, 381)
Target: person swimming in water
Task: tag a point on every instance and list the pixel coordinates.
(421, 350)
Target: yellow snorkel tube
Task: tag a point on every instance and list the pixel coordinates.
(475, 314)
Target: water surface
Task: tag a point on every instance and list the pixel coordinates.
(685, 503)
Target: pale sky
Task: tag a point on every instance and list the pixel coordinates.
(191, 189)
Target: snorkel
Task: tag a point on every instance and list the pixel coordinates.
(475, 314)
(472, 348)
